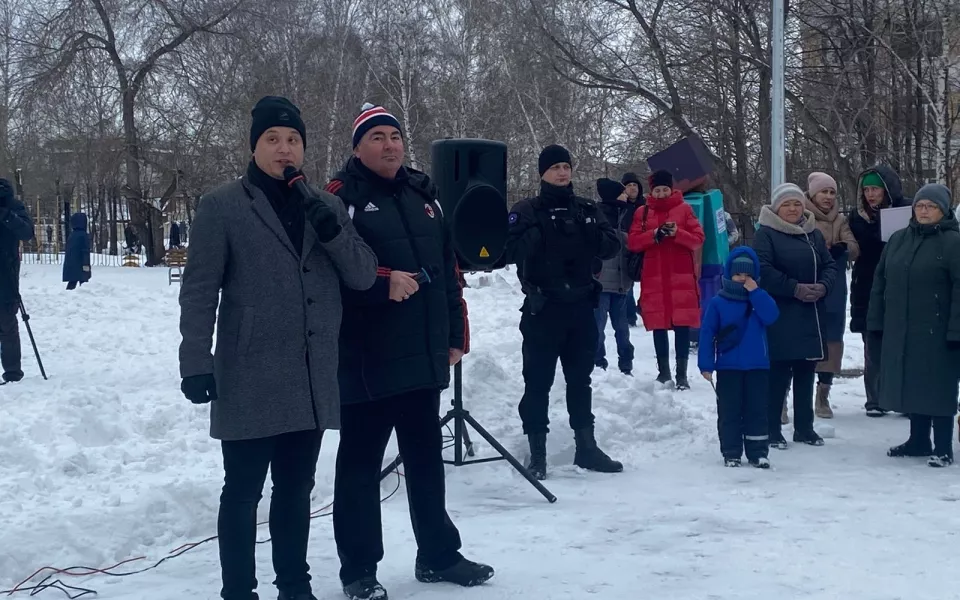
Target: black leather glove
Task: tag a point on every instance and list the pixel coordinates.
(839, 249)
(199, 389)
(323, 219)
(6, 193)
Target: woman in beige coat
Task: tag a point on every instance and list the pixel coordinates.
(822, 202)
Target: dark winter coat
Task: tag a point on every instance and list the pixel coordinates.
(388, 348)
(275, 361)
(615, 275)
(554, 240)
(15, 226)
(174, 235)
(669, 290)
(76, 261)
(790, 254)
(750, 316)
(865, 225)
(915, 302)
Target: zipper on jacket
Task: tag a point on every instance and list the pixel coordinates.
(816, 313)
(397, 196)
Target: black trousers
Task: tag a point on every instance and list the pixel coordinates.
(567, 332)
(364, 433)
(871, 372)
(801, 372)
(681, 339)
(942, 433)
(9, 338)
(742, 413)
(292, 459)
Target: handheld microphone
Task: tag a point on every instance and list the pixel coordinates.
(426, 275)
(296, 180)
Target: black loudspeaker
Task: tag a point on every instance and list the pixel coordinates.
(471, 178)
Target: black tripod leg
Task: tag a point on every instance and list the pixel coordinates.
(26, 321)
(391, 467)
(509, 458)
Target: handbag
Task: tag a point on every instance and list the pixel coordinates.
(730, 336)
(635, 259)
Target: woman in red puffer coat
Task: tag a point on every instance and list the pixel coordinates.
(668, 234)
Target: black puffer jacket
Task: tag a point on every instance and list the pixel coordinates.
(865, 225)
(389, 348)
(15, 227)
(791, 254)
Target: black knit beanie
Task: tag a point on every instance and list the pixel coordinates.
(664, 178)
(552, 155)
(630, 177)
(608, 189)
(275, 111)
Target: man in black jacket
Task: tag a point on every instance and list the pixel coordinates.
(397, 344)
(877, 188)
(635, 197)
(555, 240)
(15, 227)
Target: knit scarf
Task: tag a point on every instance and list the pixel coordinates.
(733, 290)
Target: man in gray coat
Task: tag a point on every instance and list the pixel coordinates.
(615, 278)
(273, 262)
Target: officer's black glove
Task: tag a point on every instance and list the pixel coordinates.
(839, 249)
(323, 219)
(6, 193)
(199, 389)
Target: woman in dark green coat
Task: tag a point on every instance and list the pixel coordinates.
(914, 313)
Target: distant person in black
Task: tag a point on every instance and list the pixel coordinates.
(557, 240)
(398, 341)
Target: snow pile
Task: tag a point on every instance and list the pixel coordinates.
(107, 460)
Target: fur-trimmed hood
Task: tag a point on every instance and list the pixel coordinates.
(773, 221)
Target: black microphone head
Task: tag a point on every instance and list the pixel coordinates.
(290, 173)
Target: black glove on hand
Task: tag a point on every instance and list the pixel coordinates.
(323, 219)
(199, 389)
(660, 234)
(953, 344)
(839, 249)
(6, 193)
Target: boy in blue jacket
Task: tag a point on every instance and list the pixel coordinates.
(733, 342)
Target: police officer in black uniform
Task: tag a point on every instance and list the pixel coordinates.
(557, 241)
(398, 341)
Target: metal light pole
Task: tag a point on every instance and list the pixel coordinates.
(777, 129)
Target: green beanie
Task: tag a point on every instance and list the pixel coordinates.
(872, 179)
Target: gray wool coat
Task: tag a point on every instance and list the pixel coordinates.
(276, 354)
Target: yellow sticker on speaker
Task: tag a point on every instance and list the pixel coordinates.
(483, 252)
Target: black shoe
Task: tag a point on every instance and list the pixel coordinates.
(760, 463)
(664, 366)
(466, 573)
(876, 411)
(538, 455)
(365, 588)
(809, 438)
(625, 366)
(940, 461)
(910, 449)
(601, 364)
(731, 462)
(12, 376)
(589, 456)
(777, 442)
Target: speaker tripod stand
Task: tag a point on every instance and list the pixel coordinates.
(461, 440)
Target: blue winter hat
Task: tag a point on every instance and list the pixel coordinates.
(742, 260)
(741, 264)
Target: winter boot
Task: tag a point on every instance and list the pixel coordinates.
(940, 461)
(823, 410)
(601, 364)
(12, 376)
(731, 462)
(808, 437)
(785, 414)
(663, 364)
(777, 442)
(538, 455)
(589, 456)
(465, 572)
(682, 383)
(365, 588)
(760, 463)
(910, 448)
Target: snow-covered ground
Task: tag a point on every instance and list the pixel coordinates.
(106, 460)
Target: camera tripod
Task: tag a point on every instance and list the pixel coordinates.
(461, 439)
